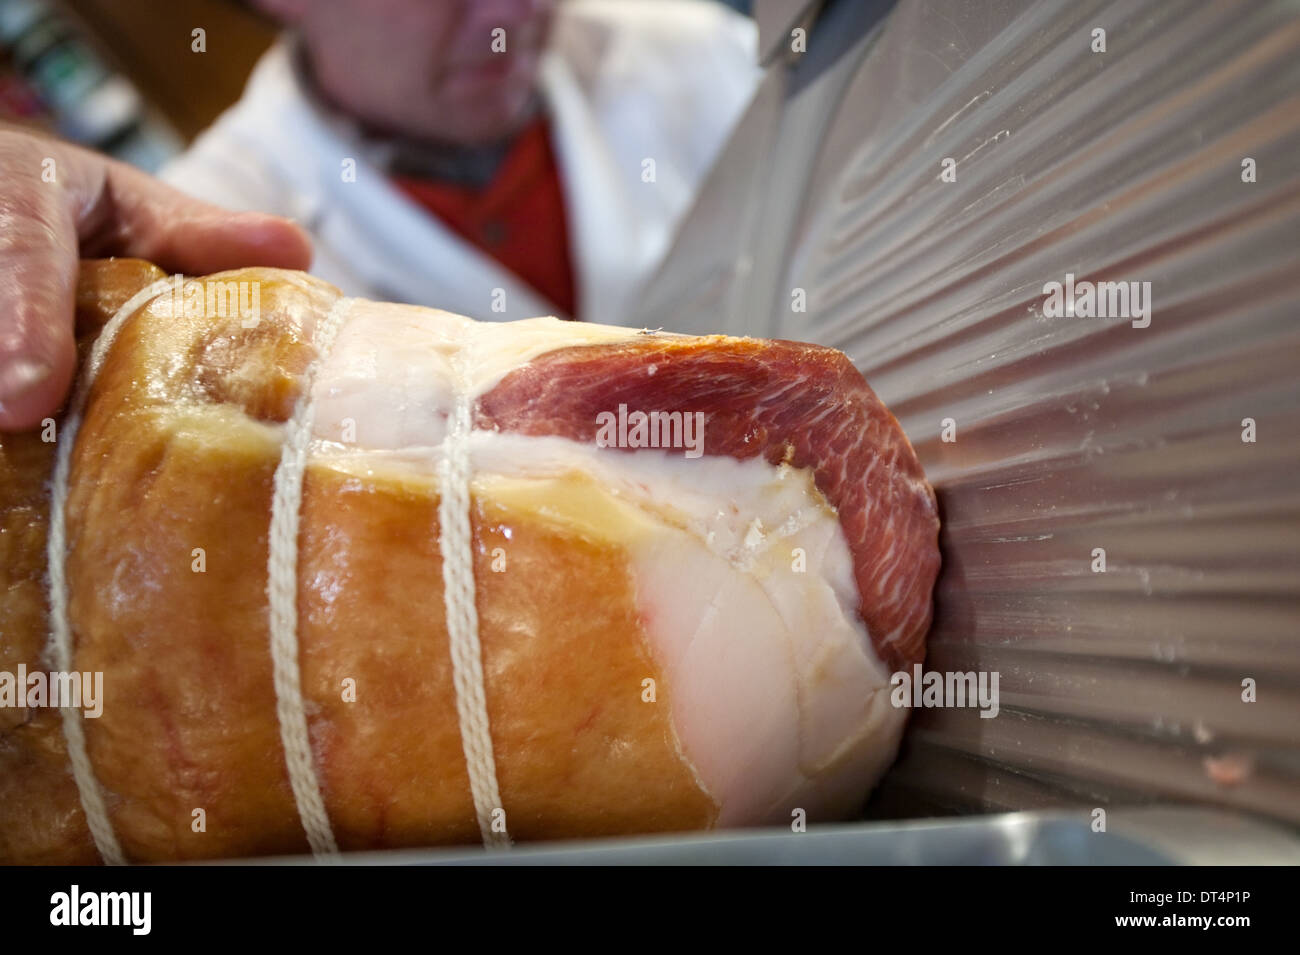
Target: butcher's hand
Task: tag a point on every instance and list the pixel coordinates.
(59, 203)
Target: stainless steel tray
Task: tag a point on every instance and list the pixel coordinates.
(1153, 836)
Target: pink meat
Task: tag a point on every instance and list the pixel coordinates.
(802, 404)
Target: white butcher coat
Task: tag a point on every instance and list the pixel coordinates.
(623, 81)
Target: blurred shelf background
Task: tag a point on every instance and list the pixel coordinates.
(123, 75)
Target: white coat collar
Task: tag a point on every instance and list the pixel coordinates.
(603, 222)
(394, 245)
(405, 254)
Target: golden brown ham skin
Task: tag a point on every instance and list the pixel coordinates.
(177, 452)
(167, 520)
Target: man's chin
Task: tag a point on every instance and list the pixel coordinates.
(480, 121)
(493, 81)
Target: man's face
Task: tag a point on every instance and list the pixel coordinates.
(455, 70)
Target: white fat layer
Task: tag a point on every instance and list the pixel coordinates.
(388, 382)
(778, 700)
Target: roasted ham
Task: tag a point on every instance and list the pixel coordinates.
(540, 579)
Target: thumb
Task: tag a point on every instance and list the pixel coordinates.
(136, 215)
(58, 202)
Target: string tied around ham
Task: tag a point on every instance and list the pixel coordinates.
(59, 645)
(455, 544)
(282, 594)
(456, 547)
(281, 588)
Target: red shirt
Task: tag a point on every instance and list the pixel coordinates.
(518, 218)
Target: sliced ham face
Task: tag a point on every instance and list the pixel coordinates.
(785, 403)
(672, 637)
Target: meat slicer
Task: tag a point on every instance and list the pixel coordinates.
(1121, 537)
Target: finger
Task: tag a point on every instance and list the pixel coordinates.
(38, 271)
(136, 215)
(58, 202)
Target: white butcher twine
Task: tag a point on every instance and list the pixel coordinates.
(59, 647)
(282, 592)
(456, 545)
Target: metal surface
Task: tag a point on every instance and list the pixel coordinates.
(775, 20)
(1137, 837)
(1118, 687)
